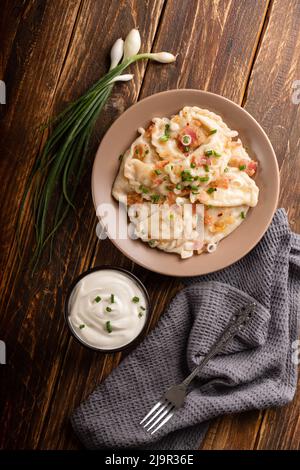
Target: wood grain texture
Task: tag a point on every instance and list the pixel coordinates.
(31, 308)
(52, 51)
(269, 100)
(162, 288)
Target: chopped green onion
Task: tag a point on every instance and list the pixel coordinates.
(206, 168)
(164, 138)
(216, 154)
(186, 139)
(213, 131)
(151, 242)
(207, 153)
(186, 149)
(203, 178)
(155, 198)
(97, 299)
(140, 314)
(178, 186)
(171, 216)
(194, 188)
(81, 326)
(108, 327)
(144, 189)
(242, 215)
(158, 172)
(193, 165)
(142, 308)
(135, 299)
(242, 167)
(211, 190)
(112, 298)
(226, 170)
(147, 151)
(108, 309)
(137, 151)
(186, 176)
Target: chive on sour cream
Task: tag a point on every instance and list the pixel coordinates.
(107, 308)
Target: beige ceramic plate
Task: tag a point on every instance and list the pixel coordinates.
(122, 133)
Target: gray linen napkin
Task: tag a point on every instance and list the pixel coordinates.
(255, 371)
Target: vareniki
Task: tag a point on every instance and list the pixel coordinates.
(195, 159)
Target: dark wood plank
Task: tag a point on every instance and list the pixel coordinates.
(211, 67)
(31, 319)
(269, 100)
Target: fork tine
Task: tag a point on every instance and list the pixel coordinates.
(163, 406)
(161, 416)
(151, 411)
(164, 421)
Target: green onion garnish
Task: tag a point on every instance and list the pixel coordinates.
(186, 149)
(135, 299)
(164, 138)
(112, 298)
(194, 188)
(242, 167)
(158, 172)
(155, 198)
(186, 176)
(193, 165)
(97, 299)
(108, 327)
(226, 170)
(142, 308)
(141, 314)
(213, 131)
(144, 189)
(81, 326)
(178, 186)
(203, 178)
(206, 168)
(242, 215)
(216, 154)
(207, 153)
(108, 309)
(211, 190)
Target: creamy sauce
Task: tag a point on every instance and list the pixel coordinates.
(107, 309)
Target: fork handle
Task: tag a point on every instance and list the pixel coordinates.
(237, 322)
(215, 349)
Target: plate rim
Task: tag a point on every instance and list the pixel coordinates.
(231, 103)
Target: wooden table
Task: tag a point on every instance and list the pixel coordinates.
(52, 51)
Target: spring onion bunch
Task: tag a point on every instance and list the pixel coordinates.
(56, 173)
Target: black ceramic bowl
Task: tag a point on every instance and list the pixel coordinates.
(134, 279)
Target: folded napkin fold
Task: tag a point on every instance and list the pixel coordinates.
(255, 371)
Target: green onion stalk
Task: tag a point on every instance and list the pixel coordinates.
(60, 163)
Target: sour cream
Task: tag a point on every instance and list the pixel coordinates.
(107, 309)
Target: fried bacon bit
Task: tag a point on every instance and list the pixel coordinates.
(139, 152)
(134, 198)
(171, 197)
(221, 224)
(161, 164)
(207, 218)
(251, 166)
(149, 130)
(221, 183)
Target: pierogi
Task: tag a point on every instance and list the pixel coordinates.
(178, 165)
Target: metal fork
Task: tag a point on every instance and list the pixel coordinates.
(174, 397)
